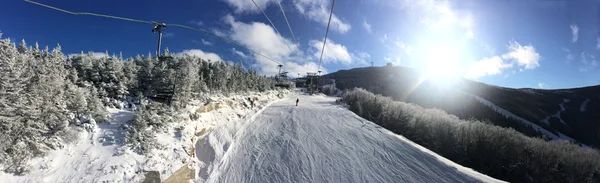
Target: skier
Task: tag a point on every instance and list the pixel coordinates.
(251, 102)
(297, 100)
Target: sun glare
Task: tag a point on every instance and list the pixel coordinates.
(442, 62)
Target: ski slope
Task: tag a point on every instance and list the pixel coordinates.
(318, 141)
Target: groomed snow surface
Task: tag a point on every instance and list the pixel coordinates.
(318, 141)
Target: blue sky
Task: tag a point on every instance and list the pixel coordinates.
(535, 44)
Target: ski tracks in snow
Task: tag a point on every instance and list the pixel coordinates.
(317, 141)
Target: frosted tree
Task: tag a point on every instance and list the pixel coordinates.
(145, 74)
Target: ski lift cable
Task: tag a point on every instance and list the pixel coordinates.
(326, 32)
(150, 22)
(223, 38)
(88, 13)
(288, 23)
(263, 12)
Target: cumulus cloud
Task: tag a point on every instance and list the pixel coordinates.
(574, 32)
(318, 11)
(263, 39)
(542, 85)
(367, 26)
(333, 53)
(487, 66)
(247, 6)
(523, 55)
(201, 54)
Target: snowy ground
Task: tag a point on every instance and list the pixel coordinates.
(318, 141)
(99, 156)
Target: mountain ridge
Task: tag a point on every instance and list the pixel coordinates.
(544, 107)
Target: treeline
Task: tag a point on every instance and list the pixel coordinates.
(47, 98)
(408, 85)
(498, 152)
(184, 75)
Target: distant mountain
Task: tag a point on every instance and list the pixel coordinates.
(570, 114)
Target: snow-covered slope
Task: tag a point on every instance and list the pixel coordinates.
(318, 141)
(99, 155)
(96, 157)
(507, 113)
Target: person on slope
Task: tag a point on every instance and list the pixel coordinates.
(297, 100)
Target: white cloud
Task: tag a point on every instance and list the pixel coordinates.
(361, 57)
(524, 55)
(333, 52)
(219, 32)
(542, 85)
(367, 26)
(574, 32)
(263, 39)
(436, 14)
(318, 11)
(569, 56)
(247, 6)
(487, 66)
(241, 54)
(201, 54)
(589, 62)
(404, 47)
(204, 42)
(395, 61)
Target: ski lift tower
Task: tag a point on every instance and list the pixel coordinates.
(158, 28)
(312, 83)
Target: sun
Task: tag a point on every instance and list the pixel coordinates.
(441, 62)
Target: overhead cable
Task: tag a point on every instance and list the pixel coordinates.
(150, 22)
(288, 23)
(263, 12)
(326, 32)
